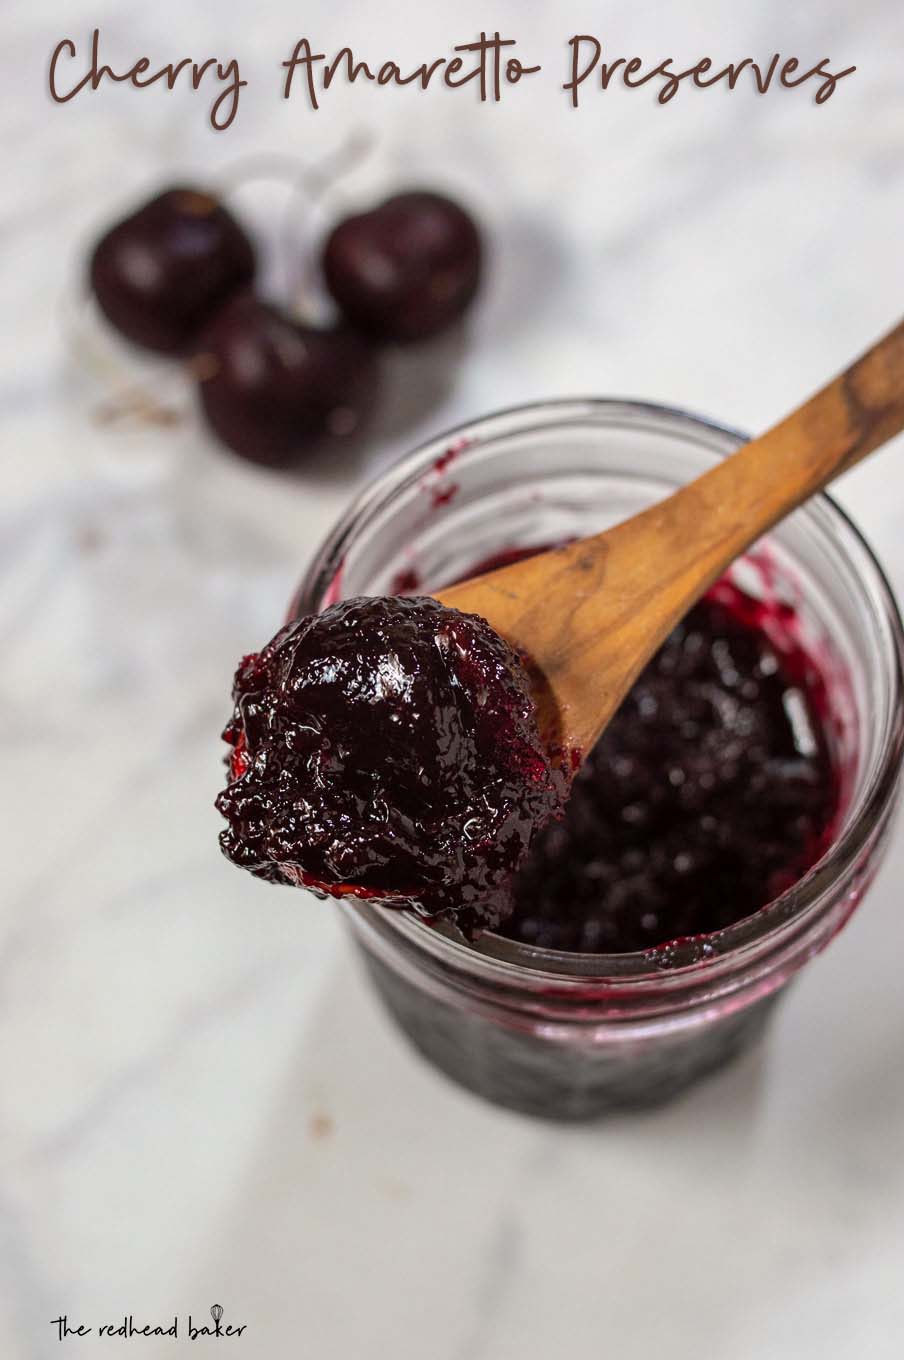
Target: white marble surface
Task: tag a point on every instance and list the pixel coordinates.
(200, 1100)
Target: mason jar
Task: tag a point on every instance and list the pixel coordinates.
(572, 1035)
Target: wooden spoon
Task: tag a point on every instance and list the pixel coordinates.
(591, 614)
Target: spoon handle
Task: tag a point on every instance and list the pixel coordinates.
(765, 480)
(591, 613)
(703, 527)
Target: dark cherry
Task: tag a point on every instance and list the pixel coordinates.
(161, 273)
(272, 388)
(387, 749)
(407, 269)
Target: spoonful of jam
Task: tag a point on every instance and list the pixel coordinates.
(388, 749)
(409, 750)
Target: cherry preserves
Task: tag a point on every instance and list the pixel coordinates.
(387, 748)
(711, 791)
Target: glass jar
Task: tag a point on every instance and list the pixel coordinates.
(570, 1035)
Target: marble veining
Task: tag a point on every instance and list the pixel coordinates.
(200, 1100)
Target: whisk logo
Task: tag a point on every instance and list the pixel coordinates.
(129, 1328)
(219, 1328)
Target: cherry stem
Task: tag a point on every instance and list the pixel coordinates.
(323, 177)
(291, 170)
(313, 181)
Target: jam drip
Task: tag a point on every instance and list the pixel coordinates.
(711, 791)
(387, 749)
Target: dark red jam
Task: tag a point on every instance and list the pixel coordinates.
(712, 790)
(387, 748)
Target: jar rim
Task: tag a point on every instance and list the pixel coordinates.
(797, 903)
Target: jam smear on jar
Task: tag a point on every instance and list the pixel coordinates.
(387, 749)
